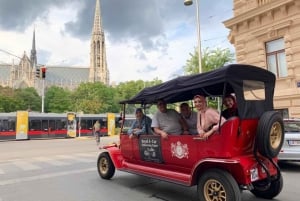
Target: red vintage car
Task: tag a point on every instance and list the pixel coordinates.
(241, 155)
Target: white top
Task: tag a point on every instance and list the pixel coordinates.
(168, 121)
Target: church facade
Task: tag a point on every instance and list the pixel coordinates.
(23, 74)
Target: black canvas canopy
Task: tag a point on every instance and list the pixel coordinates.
(213, 83)
(225, 80)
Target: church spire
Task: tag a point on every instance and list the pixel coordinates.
(33, 59)
(98, 66)
(97, 29)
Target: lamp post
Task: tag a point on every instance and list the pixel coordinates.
(188, 3)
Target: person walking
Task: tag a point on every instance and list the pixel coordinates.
(96, 131)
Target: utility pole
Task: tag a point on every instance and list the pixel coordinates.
(43, 95)
(43, 76)
(188, 3)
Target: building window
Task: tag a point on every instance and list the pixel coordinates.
(276, 60)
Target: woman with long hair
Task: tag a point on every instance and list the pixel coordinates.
(231, 107)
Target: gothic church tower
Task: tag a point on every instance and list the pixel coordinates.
(33, 58)
(98, 65)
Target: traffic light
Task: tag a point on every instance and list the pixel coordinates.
(38, 73)
(43, 72)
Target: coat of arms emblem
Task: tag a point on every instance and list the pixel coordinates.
(179, 150)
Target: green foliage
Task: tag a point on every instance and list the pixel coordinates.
(88, 98)
(19, 99)
(7, 104)
(211, 59)
(99, 98)
(58, 100)
(28, 99)
(94, 98)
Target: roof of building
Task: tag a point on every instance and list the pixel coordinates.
(67, 73)
(54, 73)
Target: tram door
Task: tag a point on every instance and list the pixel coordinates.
(111, 119)
(71, 125)
(22, 125)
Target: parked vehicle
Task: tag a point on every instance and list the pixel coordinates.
(241, 155)
(291, 147)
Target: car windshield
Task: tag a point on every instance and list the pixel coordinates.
(292, 126)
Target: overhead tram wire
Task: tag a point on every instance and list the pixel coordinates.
(11, 54)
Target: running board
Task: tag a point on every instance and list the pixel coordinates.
(160, 174)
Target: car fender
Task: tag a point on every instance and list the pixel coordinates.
(208, 163)
(115, 155)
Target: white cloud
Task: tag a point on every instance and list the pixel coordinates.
(127, 60)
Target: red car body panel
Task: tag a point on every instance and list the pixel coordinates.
(184, 157)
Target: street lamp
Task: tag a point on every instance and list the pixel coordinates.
(188, 3)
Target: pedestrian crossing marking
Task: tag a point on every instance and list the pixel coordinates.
(26, 165)
(76, 158)
(86, 154)
(43, 176)
(51, 161)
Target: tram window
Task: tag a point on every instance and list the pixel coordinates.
(83, 124)
(52, 125)
(45, 125)
(61, 125)
(4, 125)
(89, 124)
(35, 125)
(102, 123)
(11, 125)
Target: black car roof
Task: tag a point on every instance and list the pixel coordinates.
(212, 83)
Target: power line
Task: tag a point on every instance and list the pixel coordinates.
(11, 54)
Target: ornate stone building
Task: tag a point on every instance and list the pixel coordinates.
(23, 74)
(98, 65)
(266, 33)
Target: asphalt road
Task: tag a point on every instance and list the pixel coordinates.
(65, 170)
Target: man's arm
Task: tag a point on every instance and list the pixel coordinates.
(130, 130)
(160, 132)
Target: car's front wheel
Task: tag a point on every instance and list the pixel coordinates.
(105, 166)
(217, 184)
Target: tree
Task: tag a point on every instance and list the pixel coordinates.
(127, 90)
(58, 100)
(211, 59)
(7, 104)
(28, 99)
(95, 98)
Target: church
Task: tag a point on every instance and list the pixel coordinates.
(23, 74)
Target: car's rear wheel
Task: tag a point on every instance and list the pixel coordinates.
(105, 166)
(270, 134)
(274, 189)
(217, 184)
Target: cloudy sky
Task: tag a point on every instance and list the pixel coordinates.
(145, 39)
